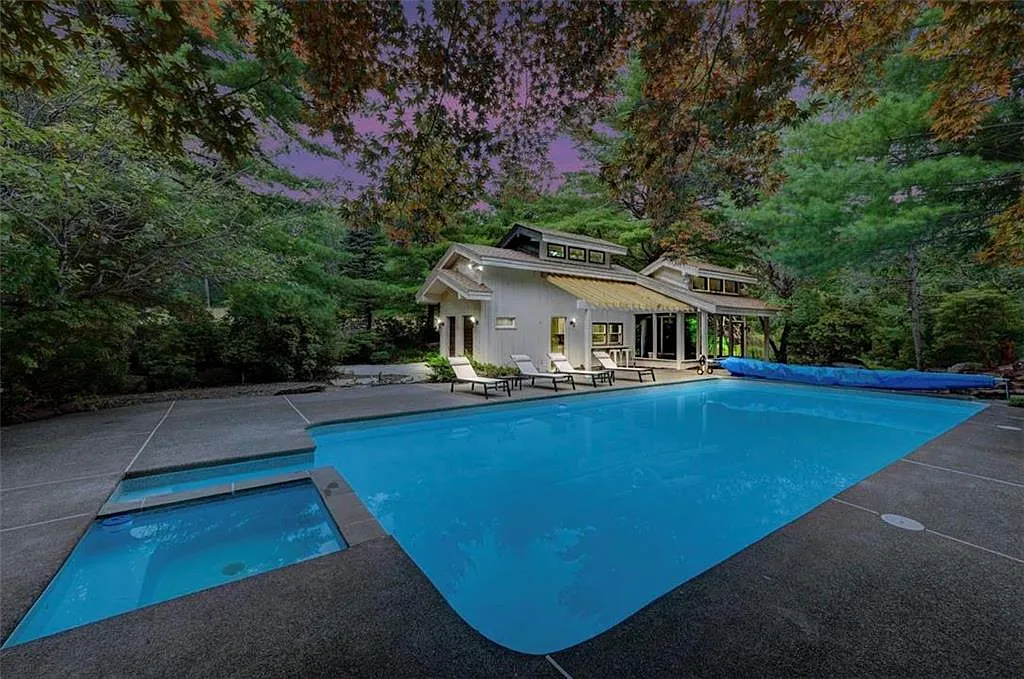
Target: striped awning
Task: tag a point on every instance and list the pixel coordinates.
(603, 294)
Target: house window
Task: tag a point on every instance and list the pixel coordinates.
(577, 254)
(505, 322)
(596, 257)
(615, 334)
(730, 287)
(741, 288)
(556, 251)
(606, 334)
(715, 284)
(699, 282)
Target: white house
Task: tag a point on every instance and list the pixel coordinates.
(541, 290)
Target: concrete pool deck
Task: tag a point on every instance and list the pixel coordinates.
(836, 592)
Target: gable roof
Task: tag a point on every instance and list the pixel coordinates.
(562, 237)
(514, 259)
(696, 267)
(464, 286)
(711, 303)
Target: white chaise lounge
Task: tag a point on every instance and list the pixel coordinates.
(528, 370)
(562, 365)
(464, 374)
(608, 363)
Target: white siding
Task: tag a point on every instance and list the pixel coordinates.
(452, 306)
(532, 301)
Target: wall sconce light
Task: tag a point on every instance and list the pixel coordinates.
(572, 322)
(439, 324)
(472, 319)
(479, 267)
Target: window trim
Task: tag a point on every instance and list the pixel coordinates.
(597, 256)
(581, 252)
(608, 331)
(720, 285)
(725, 287)
(556, 246)
(509, 326)
(693, 283)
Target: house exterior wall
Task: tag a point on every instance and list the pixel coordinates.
(459, 308)
(532, 301)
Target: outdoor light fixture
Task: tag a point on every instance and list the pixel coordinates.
(572, 322)
(472, 319)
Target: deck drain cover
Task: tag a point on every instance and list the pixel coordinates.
(902, 522)
(233, 568)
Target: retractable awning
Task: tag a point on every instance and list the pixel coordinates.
(604, 294)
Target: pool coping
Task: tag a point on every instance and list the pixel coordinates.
(213, 462)
(354, 521)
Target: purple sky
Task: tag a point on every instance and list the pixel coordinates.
(347, 180)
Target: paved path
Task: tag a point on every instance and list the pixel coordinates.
(837, 592)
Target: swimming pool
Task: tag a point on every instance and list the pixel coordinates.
(129, 561)
(545, 523)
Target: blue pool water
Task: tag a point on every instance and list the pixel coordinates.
(139, 487)
(134, 560)
(544, 524)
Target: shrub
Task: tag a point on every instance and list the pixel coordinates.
(281, 332)
(983, 324)
(833, 334)
(179, 348)
(441, 369)
(77, 349)
(1017, 401)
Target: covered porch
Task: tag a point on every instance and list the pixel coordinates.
(606, 306)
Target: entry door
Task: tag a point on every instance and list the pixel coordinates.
(558, 334)
(468, 327)
(450, 324)
(667, 336)
(643, 342)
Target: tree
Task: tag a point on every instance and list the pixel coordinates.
(983, 323)
(877, 188)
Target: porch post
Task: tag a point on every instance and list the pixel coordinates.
(703, 322)
(765, 324)
(588, 337)
(679, 340)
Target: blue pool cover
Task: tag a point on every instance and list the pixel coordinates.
(133, 560)
(911, 380)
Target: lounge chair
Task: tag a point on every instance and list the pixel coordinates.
(528, 370)
(562, 365)
(464, 374)
(608, 363)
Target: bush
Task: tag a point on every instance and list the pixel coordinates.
(281, 332)
(983, 324)
(180, 348)
(441, 369)
(1017, 401)
(53, 355)
(831, 333)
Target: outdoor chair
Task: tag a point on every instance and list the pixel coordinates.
(464, 374)
(527, 370)
(562, 365)
(608, 363)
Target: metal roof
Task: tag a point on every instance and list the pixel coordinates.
(605, 294)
